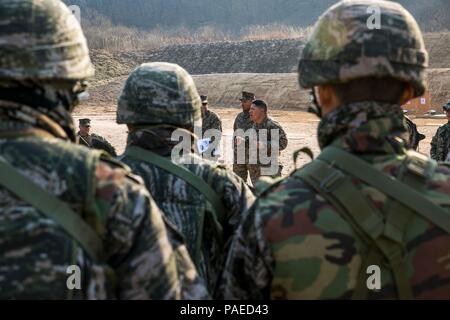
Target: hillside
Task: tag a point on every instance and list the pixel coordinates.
(269, 56)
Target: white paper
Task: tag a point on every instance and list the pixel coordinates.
(203, 145)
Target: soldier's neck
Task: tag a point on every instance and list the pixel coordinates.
(261, 121)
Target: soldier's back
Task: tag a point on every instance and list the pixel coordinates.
(192, 213)
(39, 255)
(211, 121)
(317, 252)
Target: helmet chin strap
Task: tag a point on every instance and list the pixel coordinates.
(314, 107)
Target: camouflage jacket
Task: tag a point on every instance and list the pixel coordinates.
(36, 251)
(440, 145)
(97, 142)
(413, 135)
(183, 204)
(243, 122)
(269, 124)
(211, 120)
(294, 244)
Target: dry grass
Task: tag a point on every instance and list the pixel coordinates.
(102, 34)
(274, 31)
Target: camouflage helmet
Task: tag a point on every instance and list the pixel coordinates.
(41, 40)
(159, 93)
(346, 45)
(446, 107)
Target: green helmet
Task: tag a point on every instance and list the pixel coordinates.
(446, 107)
(346, 45)
(159, 93)
(41, 40)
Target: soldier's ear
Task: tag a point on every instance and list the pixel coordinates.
(328, 98)
(408, 94)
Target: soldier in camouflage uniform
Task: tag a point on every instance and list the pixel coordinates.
(92, 140)
(62, 205)
(440, 145)
(413, 135)
(261, 121)
(366, 201)
(203, 200)
(243, 122)
(210, 120)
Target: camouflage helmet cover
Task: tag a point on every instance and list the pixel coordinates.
(342, 47)
(446, 107)
(159, 93)
(41, 39)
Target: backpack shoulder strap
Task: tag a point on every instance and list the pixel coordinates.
(337, 187)
(52, 207)
(401, 192)
(192, 179)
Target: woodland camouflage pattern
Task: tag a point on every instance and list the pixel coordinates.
(181, 203)
(440, 145)
(38, 87)
(268, 124)
(292, 244)
(343, 48)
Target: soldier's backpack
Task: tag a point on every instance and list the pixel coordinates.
(330, 175)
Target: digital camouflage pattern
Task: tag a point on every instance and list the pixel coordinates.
(211, 120)
(342, 47)
(56, 49)
(44, 59)
(243, 122)
(148, 89)
(181, 203)
(440, 144)
(293, 244)
(268, 124)
(36, 252)
(96, 141)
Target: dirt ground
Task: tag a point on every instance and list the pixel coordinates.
(300, 127)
